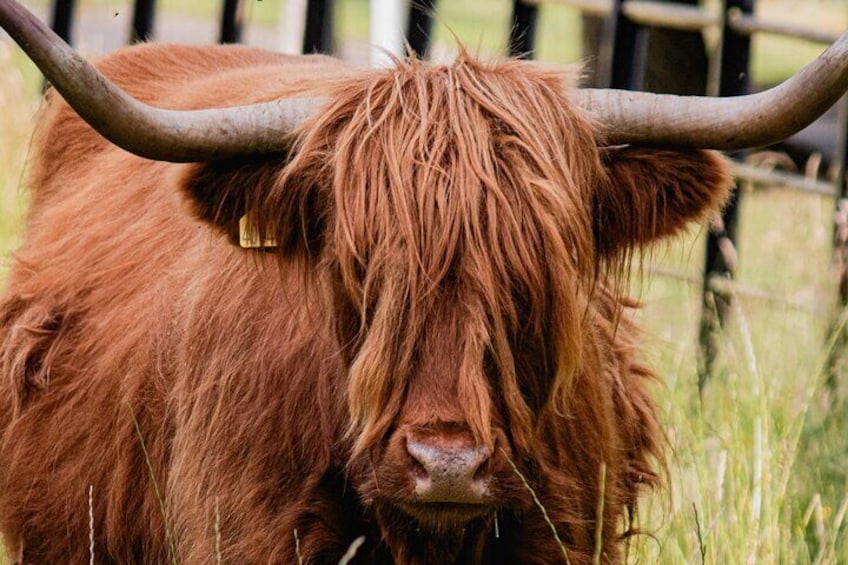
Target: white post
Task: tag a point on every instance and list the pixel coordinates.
(290, 26)
(387, 23)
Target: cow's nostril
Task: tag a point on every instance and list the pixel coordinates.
(418, 470)
(448, 469)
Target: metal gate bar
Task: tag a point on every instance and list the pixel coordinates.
(522, 32)
(144, 14)
(318, 30)
(62, 18)
(232, 21)
(419, 28)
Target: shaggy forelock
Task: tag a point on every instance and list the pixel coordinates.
(468, 182)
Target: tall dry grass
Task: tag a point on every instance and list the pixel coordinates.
(18, 103)
(760, 460)
(19, 88)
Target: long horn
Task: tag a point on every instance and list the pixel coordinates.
(723, 123)
(153, 133)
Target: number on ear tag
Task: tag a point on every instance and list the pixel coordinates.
(249, 235)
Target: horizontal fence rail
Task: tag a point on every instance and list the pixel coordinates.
(782, 179)
(671, 16)
(727, 287)
(692, 18)
(598, 8)
(746, 24)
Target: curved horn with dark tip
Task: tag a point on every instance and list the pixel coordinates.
(153, 133)
(723, 123)
(626, 117)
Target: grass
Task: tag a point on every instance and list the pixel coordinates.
(18, 100)
(759, 470)
(16, 104)
(764, 442)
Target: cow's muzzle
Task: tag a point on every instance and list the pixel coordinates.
(450, 475)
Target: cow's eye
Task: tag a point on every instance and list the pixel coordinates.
(349, 323)
(535, 371)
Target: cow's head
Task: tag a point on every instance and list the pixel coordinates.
(466, 225)
(464, 220)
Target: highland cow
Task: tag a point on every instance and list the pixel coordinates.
(428, 335)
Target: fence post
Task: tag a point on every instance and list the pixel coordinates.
(837, 334)
(676, 60)
(419, 28)
(63, 18)
(625, 66)
(734, 80)
(318, 31)
(522, 33)
(387, 41)
(232, 20)
(841, 235)
(144, 13)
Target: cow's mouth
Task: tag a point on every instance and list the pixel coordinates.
(444, 512)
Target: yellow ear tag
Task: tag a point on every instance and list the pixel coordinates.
(249, 236)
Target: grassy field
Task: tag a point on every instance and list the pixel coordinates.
(759, 469)
(760, 459)
(19, 84)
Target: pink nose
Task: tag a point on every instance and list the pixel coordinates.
(451, 468)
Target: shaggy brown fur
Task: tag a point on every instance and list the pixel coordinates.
(450, 242)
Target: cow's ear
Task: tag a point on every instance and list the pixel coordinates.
(234, 196)
(645, 194)
(221, 192)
